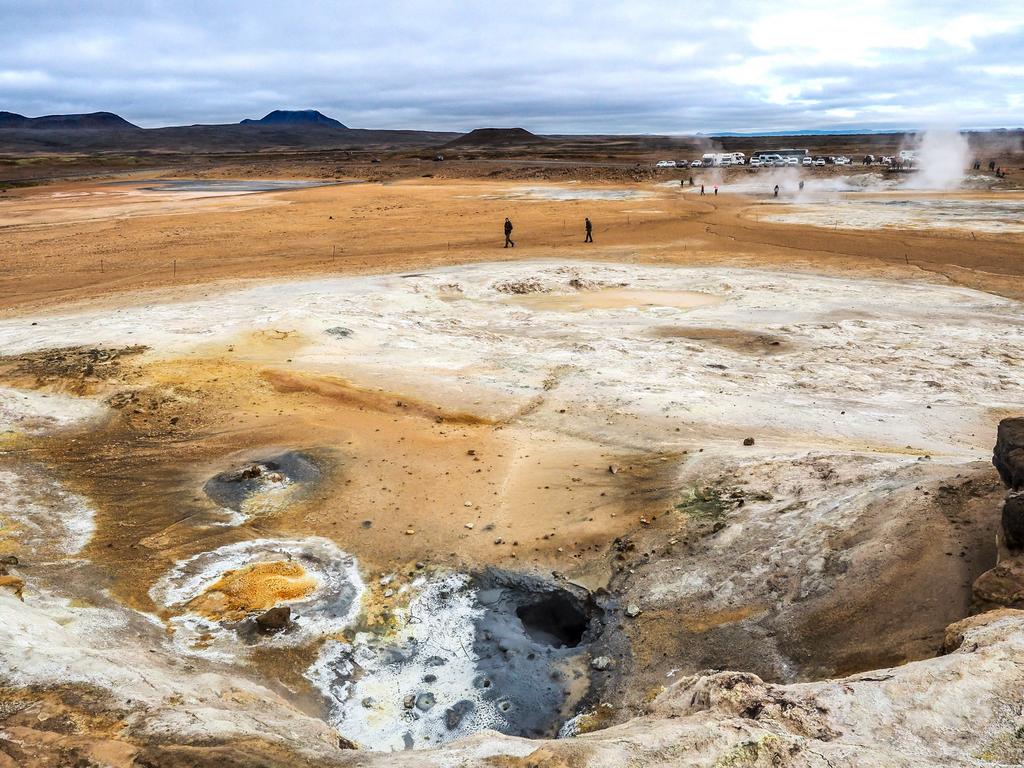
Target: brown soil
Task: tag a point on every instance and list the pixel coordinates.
(406, 480)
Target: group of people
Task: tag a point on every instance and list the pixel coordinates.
(588, 228)
(998, 171)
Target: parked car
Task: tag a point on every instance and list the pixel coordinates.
(806, 161)
(665, 164)
(819, 161)
(755, 162)
(695, 164)
(792, 161)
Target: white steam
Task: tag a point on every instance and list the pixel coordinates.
(942, 158)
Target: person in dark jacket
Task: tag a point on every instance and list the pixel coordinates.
(508, 233)
(590, 228)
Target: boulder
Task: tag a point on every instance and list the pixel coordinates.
(1001, 586)
(275, 619)
(1008, 455)
(453, 715)
(1013, 521)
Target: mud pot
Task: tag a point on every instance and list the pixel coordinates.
(411, 510)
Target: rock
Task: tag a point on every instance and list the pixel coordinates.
(748, 441)
(602, 663)
(435, 661)
(430, 678)
(409, 701)
(1013, 521)
(633, 610)
(454, 715)
(1008, 454)
(613, 469)
(1002, 585)
(469, 526)
(369, 702)
(275, 619)
(14, 584)
(425, 702)
(344, 743)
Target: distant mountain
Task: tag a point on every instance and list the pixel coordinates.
(295, 117)
(497, 137)
(94, 121)
(12, 120)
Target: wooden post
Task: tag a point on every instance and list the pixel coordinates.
(174, 268)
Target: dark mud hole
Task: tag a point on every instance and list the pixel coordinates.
(232, 488)
(526, 639)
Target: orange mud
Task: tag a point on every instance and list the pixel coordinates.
(253, 588)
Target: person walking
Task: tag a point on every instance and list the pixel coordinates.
(716, 190)
(590, 228)
(702, 189)
(508, 233)
(776, 190)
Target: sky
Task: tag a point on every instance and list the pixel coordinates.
(556, 66)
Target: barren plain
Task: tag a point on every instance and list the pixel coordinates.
(324, 475)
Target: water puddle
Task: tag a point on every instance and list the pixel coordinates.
(210, 187)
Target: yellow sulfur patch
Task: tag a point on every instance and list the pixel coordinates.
(253, 588)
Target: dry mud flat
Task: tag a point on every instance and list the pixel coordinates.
(456, 508)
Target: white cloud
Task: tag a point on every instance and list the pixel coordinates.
(555, 66)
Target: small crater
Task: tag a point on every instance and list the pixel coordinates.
(233, 488)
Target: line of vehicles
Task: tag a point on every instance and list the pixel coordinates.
(763, 159)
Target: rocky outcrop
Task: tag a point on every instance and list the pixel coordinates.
(1008, 455)
(1003, 585)
(1008, 458)
(1013, 521)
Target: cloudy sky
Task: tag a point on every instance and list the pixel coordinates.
(552, 66)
